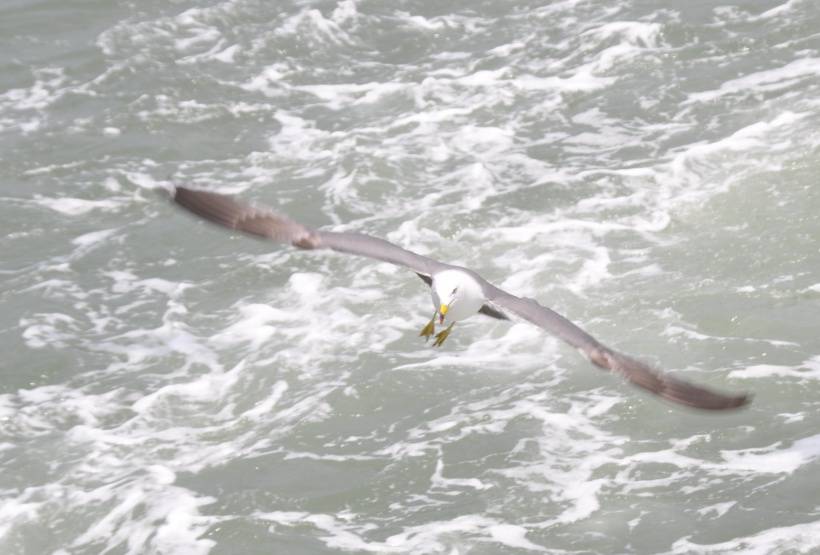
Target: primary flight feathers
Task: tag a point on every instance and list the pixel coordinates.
(470, 292)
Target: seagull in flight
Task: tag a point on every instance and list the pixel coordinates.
(457, 293)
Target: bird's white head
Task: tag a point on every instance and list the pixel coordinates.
(456, 295)
(445, 295)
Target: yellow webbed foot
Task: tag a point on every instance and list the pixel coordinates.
(429, 329)
(442, 336)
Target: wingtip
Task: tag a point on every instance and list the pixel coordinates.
(174, 193)
(742, 400)
(180, 191)
(668, 387)
(711, 400)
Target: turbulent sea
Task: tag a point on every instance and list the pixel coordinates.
(650, 169)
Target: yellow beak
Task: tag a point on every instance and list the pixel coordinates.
(442, 310)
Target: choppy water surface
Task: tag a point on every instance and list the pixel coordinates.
(648, 169)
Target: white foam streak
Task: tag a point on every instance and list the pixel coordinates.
(206, 389)
(47, 88)
(690, 166)
(774, 460)
(635, 39)
(781, 10)
(171, 522)
(439, 481)
(434, 537)
(807, 370)
(75, 206)
(632, 32)
(254, 325)
(764, 81)
(343, 96)
(311, 23)
(798, 538)
(14, 513)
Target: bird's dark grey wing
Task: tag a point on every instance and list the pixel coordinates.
(227, 212)
(373, 247)
(488, 310)
(602, 356)
(426, 279)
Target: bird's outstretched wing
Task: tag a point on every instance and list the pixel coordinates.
(635, 371)
(227, 212)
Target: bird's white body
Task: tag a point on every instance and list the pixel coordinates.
(459, 292)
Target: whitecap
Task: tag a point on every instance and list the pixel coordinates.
(75, 206)
(797, 538)
(773, 459)
(807, 370)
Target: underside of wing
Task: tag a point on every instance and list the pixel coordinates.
(225, 211)
(262, 222)
(379, 249)
(489, 310)
(664, 385)
(637, 372)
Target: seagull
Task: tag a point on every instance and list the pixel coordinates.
(457, 293)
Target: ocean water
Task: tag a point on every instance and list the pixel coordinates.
(649, 169)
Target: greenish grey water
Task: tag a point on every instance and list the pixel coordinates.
(648, 169)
